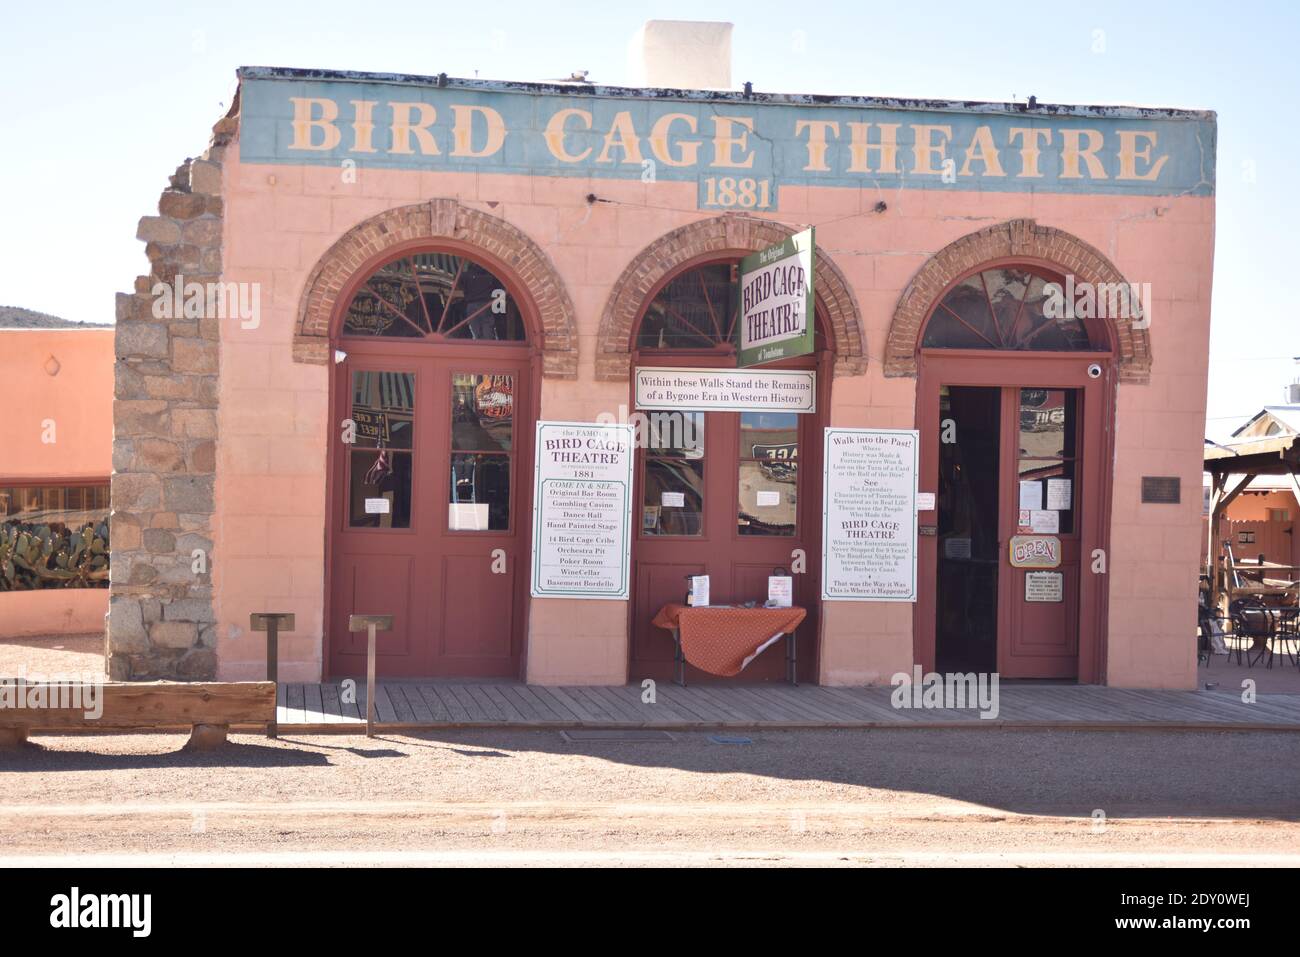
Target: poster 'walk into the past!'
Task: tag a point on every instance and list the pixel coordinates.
(869, 515)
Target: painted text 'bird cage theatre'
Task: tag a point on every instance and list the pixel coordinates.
(541, 370)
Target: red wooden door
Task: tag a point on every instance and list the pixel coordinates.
(750, 494)
(430, 513)
(1038, 636)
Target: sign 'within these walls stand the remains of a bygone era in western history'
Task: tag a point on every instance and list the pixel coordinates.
(725, 390)
(776, 302)
(582, 510)
(869, 514)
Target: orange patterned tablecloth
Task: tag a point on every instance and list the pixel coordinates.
(718, 639)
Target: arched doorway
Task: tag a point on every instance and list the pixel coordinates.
(1015, 407)
(728, 494)
(434, 382)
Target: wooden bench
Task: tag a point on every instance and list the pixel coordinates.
(208, 708)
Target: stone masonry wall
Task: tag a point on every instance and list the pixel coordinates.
(160, 619)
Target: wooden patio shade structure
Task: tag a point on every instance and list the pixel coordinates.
(1274, 455)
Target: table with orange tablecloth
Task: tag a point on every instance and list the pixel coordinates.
(723, 639)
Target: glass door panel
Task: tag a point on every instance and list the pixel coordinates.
(767, 492)
(1045, 453)
(672, 484)
(379, 458)
(482, 444)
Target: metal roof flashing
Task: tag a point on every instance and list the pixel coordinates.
(719, 96)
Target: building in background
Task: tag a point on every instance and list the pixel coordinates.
(393, 279)
(55, 460)
(1261, 520)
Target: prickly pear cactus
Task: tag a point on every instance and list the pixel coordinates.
(37, 556)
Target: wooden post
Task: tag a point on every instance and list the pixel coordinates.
(1220, 500)
(370, 624)
(370, 680)
(1212, 547)
(270, 622)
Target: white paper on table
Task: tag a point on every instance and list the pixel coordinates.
(768, 499)
(1045, 521)
(699, 591)
(760, 649)
(1058, 493)
(672, 500)
(780, 591)
(1031, 494)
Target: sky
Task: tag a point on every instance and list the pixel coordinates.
(100, 102)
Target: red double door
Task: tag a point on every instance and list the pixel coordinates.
(731, 495)
(430, 501)
(1014, 448)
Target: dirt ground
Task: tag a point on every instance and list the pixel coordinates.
(52, 654)
(520, 798)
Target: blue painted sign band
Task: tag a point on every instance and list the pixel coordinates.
(739, 154)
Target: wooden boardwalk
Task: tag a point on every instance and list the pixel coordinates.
(411, 705)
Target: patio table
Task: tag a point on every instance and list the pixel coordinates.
(723, 639)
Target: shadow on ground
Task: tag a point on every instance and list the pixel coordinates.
(36, 757)
(1128, 773)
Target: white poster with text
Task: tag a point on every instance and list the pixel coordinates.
(869, 514)
(582, 510)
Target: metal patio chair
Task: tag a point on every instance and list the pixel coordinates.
(1286, 637)
(1253, 620)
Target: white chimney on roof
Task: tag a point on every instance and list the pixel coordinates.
(1292, 390)
(681, 54)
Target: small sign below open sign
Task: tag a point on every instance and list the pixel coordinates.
(1044, 586)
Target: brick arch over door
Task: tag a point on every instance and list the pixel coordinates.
(1017, 239)
(440, 219)
(729, 233)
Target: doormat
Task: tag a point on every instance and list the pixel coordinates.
(613, 734)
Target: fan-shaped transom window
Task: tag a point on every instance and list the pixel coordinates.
(434, 296)
(697, 309)
(1004, 308)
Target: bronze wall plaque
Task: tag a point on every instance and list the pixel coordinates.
(1161, 489)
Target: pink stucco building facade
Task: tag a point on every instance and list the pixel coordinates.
(315, 181)
(55, 443)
